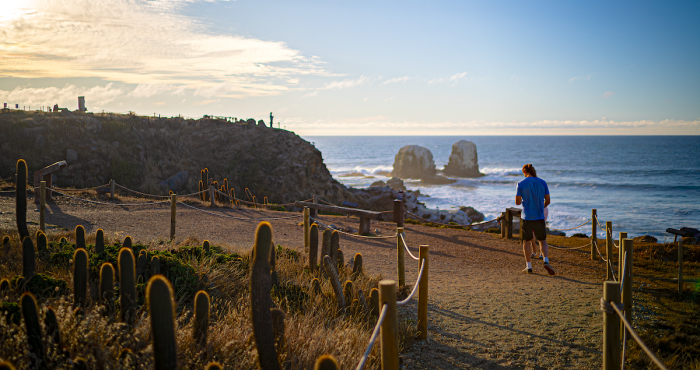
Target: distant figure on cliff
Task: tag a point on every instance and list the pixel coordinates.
(271, 117)
(533, 194)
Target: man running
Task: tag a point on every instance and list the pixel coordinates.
(533, 194)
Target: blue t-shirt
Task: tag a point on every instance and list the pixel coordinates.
(532, 190)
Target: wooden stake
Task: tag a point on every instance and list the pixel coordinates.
(173, 214)
(509, 225)
(611, 328)
(680, 265)
(400, 257)
(620, 258)
(314, 212)
(42, 206)
(423, 294)
(307, 225)
(212, 199)
(503, 225)
(609, 249)
(626, 293)
(594, 230)
(112, 187)
(388, 333)
(398, 212)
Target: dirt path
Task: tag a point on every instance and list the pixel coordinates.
(484, 312)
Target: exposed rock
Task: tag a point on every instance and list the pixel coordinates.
(437, 180)
(413, 162)
(250, 121)
(378, 184)
(115, 144)
(261, 123)
(175, 182)
(463, 160)
(473, 214)
(396, 184)
(645, 239)
(39, 142)
(93, 126)
(71, 156)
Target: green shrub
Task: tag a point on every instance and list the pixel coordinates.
(494, 230)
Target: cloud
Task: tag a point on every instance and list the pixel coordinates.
(586, 77)
(311, 94)
(149, 90)
(66, 97)
(346, 84)
(608, 94)
(454, 78)
(396, 80)
(141, 42)
(389, 99)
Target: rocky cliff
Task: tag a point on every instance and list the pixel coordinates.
(141, 152)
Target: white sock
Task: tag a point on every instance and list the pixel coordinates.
(529, 265)
(546, 260)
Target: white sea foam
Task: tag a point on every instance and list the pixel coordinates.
(361, 169)
(500, 171)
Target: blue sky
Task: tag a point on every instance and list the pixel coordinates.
(366, 67)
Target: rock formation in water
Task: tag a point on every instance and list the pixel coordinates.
(463, 160)
(413, 162)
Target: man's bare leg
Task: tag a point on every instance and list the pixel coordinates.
(545, 251)
(527, 250)
(544, 248)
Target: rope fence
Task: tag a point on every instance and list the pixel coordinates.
(373, 338)
(317, 221)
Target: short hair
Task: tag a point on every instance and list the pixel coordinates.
(528, 169)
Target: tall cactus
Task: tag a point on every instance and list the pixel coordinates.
(4, 285)
(21, 199)
(347, 291)
(332, 274)
(341, 260)
(127, 285)
(260, 302)
(107, 286)
(363, 301)
(357, 266)
(99, 241)
(80, 277)
(201, 318)
(28, 257)
(335, 246)
(30, 313)
(326, 244)
(155, 265)
(80, 237)
(161, 309)
(313, 247)
(374, 302)
(201, 188)
(51, 325)
(273, 256)
(4, 365)
(128, 243)
(206, 246)
(141, 263)
(214, 366)
(326, 362)
(80, 364)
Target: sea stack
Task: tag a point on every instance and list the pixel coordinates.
(463, 160)
(414, 162)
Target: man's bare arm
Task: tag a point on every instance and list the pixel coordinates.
(546, 200)
(519, 199)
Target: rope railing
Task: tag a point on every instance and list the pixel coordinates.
(108, 204)
(406, 247)
(573, 228)
(443, 224)
(317, 221)
(238, 218)
(373, 338)
(572, 248)
(140, 193)
(415, 288)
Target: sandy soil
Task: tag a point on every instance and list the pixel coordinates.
(483, 313)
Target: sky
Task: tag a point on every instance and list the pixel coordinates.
(365, 67)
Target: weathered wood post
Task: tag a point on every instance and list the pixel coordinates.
(609, 249)
(509, 224)
(503, 225)
(680, 265)
(112, 187)
(398, 212)
(307, 225)
(626, 288)
(173, 214)
(621, 255)
(423, 293)
(521, 228)
(42, 206)
(611, 328)
(388, 333)
(594, 230)
(400, 257)
(314, 211)
(212, 198)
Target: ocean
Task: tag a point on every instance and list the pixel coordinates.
(643, 184)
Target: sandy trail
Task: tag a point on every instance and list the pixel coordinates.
(483, 313)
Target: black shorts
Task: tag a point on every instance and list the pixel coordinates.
(538, 226)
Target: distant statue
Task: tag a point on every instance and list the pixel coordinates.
(55, 108)
(271, 117)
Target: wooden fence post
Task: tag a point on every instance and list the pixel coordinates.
(423, 293)
(627, 286)
(609, 249)
(212, 197)
(400, 257)
(307, 225)
(503, 225)
(388, 333)
(611, 328)
(112, 187)
(398, 212)
(173, 214)
(680, 265)
(594, 230)
(42, 206)
(620, 258)
(509, 224)
(314, 211)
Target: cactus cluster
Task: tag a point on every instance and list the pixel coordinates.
(313, 247)
(51, 325)
(21, 199)
(30, 314)
(28, 257)
(80, 237)
(127, 285)
(41, 242)
(99, 241)
(204, 185)
(357, 266)
(329, 268)
(81, 266)
(107, 286)
(161, 309)
(326, 362)
(260, 302)
(201, 318)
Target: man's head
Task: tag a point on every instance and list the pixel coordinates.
(529, 171)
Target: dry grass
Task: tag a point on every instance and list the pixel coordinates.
(313, 324)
